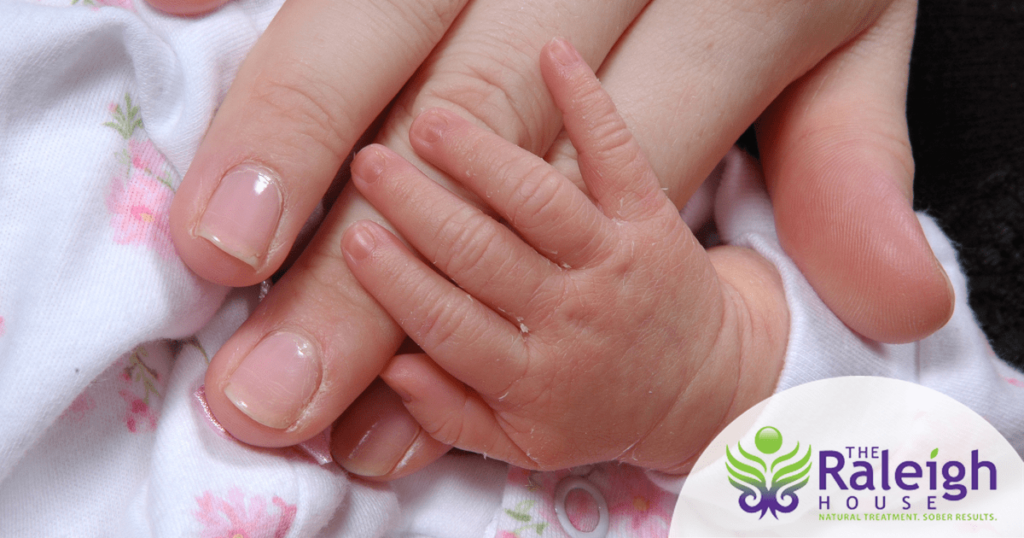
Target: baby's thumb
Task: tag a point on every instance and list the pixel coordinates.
(838, 165)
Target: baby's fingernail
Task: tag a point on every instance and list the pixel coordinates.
(381, 449)
(369, 164)
(276, 380)
(243, 213)
(430, 126)
(563, 53)
(359, 243)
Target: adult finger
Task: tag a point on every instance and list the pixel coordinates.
(839, 168)
(690, 78)
(289, 120)
(486, 68)
(380, 439)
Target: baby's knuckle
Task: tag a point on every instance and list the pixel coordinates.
(447, 428)
(440, 324)
(532, 201)
(467, 239)
(616, 144)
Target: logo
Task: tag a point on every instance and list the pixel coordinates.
(768, 487)
(857, 456)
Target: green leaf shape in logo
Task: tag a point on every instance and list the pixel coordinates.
(752, 483)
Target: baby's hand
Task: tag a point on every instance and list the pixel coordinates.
(595, 328)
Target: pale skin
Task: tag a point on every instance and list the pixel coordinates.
(827, 81)
(600, 330)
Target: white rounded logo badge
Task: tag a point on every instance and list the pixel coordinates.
(855, 456)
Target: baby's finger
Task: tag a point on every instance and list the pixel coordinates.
(450, 412)
(465, 337)
(613, 166)
(480, 255)
(544, 207)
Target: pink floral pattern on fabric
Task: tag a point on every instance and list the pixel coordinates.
(636, 506)
(140, 392)
(83, 405)
(235, 516)
(643, 509)
(141, 191)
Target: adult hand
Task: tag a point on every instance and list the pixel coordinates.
(844, 120)
(317, 340)
(734, 60)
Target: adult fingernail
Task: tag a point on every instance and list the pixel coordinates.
(381, 449)
(243, 213)
(276, 380)
(563, 53)
(430, 126)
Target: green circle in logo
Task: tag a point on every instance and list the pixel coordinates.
(768, 440)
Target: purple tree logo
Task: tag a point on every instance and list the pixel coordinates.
(768, 487)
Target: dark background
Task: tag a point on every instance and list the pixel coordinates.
(966, 113)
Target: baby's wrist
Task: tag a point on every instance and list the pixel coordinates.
(741, 368)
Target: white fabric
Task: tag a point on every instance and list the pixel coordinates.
(104, 334)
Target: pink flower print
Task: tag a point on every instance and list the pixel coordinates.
(235, 517)
(1011, 380)
(139, 414)
(1, 325)
(138, 417)
(634, 499)
(140, 213)
(146, 158)
(141, 193)
(79, 408)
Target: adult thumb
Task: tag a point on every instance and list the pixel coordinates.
(838, 165)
